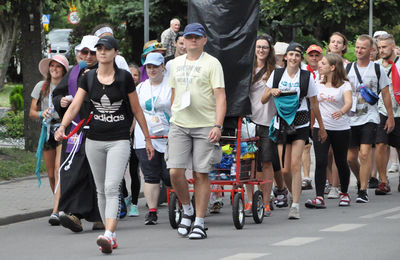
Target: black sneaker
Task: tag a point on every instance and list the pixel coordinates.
(362, 196)
(358, 187)
(373, 183)
(151, 218)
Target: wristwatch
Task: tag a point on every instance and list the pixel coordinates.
(219, 126)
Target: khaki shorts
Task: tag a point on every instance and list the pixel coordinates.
(187, 145)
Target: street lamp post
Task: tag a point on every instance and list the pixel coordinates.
(146, 21)
(370, 17)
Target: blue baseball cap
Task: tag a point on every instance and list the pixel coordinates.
(194, 28)
(154, 58)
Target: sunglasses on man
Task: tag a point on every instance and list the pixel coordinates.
(86, 52)
(193, 36)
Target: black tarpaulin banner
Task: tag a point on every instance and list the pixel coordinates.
(231, 28)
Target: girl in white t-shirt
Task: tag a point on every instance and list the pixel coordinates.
(155, 100)
(294, 143)
(334, 102)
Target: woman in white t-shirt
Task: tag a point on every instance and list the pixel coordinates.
(334, 102)
(262, 114)
(293, 143)
(155, 100)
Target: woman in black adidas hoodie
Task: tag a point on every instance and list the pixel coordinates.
(113, 99)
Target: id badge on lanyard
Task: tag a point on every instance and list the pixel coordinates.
(156, 125)
(154, 121)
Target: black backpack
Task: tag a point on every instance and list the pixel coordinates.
(304, 81)
(121, 86)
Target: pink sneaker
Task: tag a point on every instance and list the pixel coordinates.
(114, 243)
(317, 203)
(105, 244)
(344, 200)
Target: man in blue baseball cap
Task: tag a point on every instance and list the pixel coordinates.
(198, 111)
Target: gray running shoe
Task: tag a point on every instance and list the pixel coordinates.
(333, 193)
(294, 213)
(306, 184)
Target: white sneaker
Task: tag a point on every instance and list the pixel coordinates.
(294, 213)
(394, 167)
(333, 193)
(344, 200)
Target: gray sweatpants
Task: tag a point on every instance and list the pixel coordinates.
(108, 161)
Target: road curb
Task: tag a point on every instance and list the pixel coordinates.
(22, 179)
(32, 215)
(24, 217)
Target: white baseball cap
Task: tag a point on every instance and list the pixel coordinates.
(88, 41)
(280, 48)
(379, 33)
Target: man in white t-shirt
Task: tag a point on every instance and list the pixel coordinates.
(365, 117)
(198, 111)
(387, 46)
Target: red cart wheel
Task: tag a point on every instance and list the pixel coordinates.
(238, 211)
(257, 207)
(175, 211)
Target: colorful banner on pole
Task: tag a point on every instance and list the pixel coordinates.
(46, 21)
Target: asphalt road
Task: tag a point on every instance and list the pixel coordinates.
(361, 231)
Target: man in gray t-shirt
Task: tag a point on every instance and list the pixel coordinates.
(365, 117)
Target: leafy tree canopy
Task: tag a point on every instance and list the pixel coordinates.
(125, 16)
(322, 17)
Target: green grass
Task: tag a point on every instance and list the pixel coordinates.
(5, 95)
(16, 163)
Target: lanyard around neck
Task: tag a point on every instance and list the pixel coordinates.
(191, 71)
(154, 101)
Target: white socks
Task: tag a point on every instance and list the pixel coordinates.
(197, 222)
(108, 234)
(188, 209)
(295, 205)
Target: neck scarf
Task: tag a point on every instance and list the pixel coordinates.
(395, 82)
(72, 89)
(311, 70)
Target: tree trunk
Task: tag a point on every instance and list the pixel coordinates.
(8, 31)
(30, 14)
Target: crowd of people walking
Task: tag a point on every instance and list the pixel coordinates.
(102, 115)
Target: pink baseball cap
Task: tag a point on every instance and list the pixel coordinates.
(44, 63)
(314, 47)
